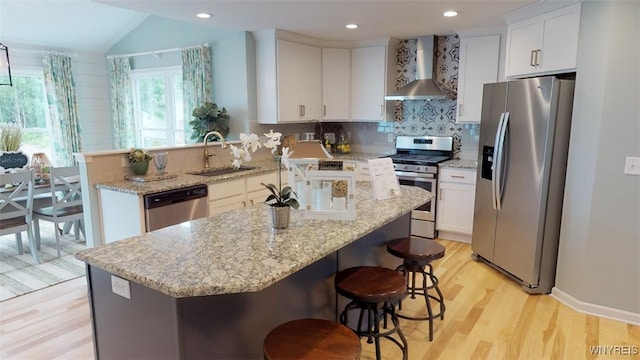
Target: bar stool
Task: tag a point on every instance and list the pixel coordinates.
(418, 254)
(311, 339)
(373, 291)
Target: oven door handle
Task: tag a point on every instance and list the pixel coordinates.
(415, 176)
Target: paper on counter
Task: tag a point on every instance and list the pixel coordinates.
(383, 179)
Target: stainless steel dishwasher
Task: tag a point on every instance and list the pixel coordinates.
(175, 206)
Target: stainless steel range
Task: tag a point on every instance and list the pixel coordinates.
(416, 164)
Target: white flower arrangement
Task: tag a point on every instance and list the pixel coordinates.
(250, 144)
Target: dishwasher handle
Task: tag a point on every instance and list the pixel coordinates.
(166, 198)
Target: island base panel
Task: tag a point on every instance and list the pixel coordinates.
(153, 325)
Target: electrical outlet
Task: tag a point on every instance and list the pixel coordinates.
(123, 162)
(120, 286)
(632, 165)
(390, 137)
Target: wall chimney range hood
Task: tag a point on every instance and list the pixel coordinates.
(425, 86)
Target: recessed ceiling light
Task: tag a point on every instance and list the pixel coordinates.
(203, 15)
(351, 26)
(450, 13)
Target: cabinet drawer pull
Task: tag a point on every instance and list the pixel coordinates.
(303, 110)
(457, 176)
(538, 52)
(531, 58)
(460, 106)
(381, 107)
(324, 110)
(441, 198)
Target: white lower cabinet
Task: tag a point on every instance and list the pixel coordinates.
(227, 195)
(456, 200)
(239, 193)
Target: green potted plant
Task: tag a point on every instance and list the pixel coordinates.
(209, 117)
(10, 137)
(139, 160)
(10, 155)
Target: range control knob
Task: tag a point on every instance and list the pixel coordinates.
(418, 169)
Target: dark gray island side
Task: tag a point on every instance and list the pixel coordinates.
(214, 287)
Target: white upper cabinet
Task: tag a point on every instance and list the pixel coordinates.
(479, 57)
(288, 79)
(368, 83)
(543, 44)
(336, 84)
(299, 69)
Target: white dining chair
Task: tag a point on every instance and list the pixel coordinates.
(65, 208)
(16, 209)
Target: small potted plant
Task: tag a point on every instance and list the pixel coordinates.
(207, 118)
(139, 160)
(10, 155)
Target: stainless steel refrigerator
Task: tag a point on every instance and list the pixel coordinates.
(524, 139)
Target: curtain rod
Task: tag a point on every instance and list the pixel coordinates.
(155, 52)
(19, 50)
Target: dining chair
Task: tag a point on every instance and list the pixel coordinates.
(66, 207)
(16, 210)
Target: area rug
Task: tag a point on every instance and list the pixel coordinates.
(18, 273)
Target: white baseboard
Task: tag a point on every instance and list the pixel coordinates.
(454, 236)
(594, 309)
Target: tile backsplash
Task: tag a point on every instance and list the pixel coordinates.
(422, 117)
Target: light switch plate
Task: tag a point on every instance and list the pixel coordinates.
(120, 286)
(632, 165)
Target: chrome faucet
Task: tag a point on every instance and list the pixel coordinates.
(206, 149)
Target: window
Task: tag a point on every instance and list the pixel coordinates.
(158, 108)
(24, 104)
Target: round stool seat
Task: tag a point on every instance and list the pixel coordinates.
(370, 284)
(311, 339)
(417, 255)
(372, 291)
(419, 250)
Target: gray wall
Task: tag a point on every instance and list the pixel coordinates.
(599, 252)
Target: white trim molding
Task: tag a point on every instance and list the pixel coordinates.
(594, 309)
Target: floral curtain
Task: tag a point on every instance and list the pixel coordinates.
(197, 79)
(63, 107)
(121, 102)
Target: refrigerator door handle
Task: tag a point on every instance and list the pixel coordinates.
(494, 166)
(499, 162)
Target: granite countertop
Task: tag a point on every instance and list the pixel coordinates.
(182, 180)
(237, 251)
(356, 156)
(460, 163)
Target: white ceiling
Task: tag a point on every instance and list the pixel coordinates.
(95, 25)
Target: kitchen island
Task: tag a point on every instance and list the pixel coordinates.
(214, 287)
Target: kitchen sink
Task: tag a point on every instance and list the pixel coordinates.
(221, 171)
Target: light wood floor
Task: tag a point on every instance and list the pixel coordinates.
(487, 317)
